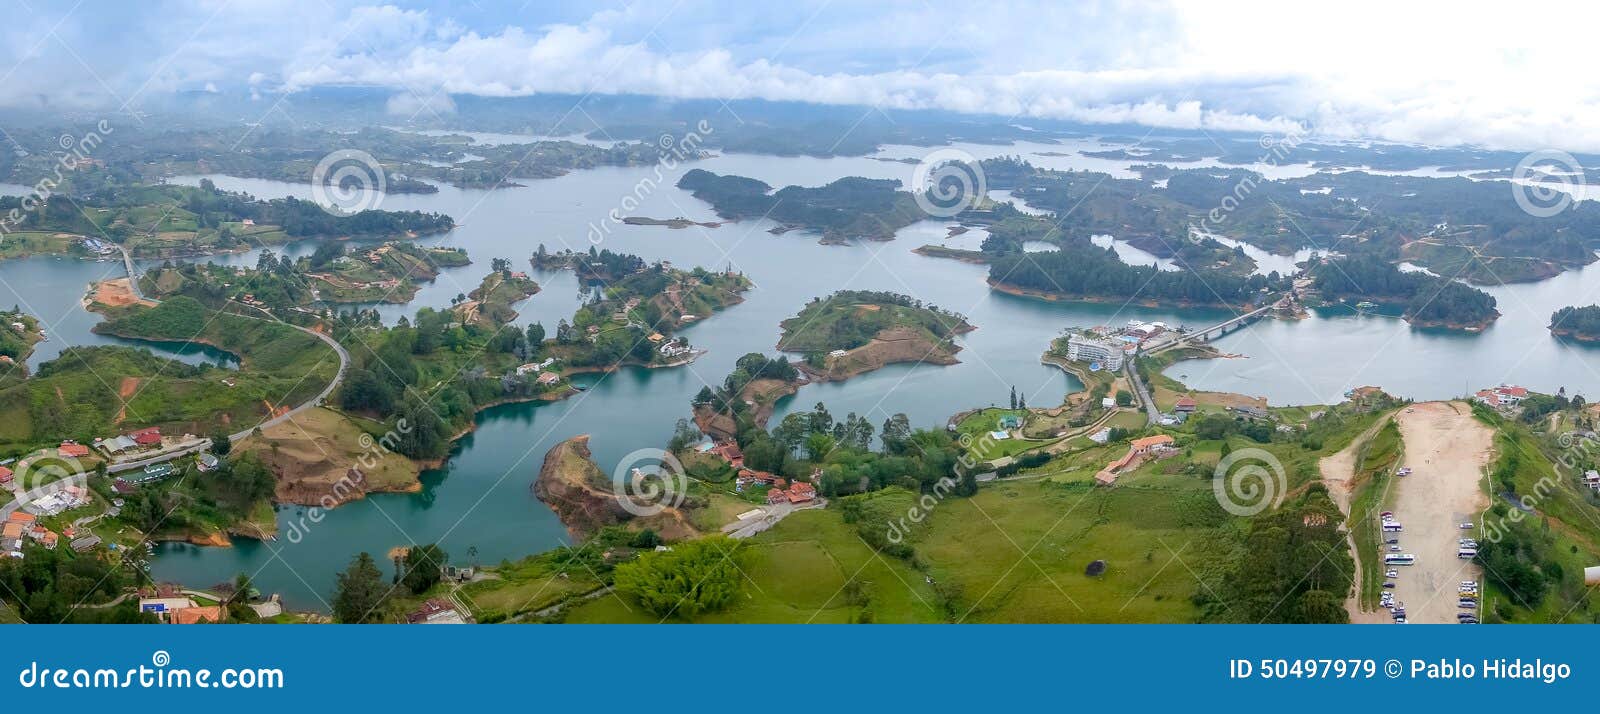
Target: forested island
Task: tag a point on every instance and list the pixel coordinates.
(168, 221)
(1454, 226)
(1080, 270)
(855, 331)
(848, 208)
(1428, 301)
(1579, 323)
(389, 272)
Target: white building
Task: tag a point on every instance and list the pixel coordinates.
(1086, 349)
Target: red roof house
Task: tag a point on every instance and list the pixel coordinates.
(729, 451)
(147, 437)
(73, 450)
(801, 492)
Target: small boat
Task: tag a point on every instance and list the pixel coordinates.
(1366, 304)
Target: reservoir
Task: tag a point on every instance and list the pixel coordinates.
(481, 497)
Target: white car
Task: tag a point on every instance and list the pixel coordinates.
(1391, 573)
(1465, 525)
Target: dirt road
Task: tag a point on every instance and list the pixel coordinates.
(1447, 450)
(1338, 474)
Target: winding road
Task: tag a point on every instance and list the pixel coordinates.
(338, 377)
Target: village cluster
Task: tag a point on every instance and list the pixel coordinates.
(780, 490)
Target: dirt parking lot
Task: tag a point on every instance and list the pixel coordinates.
(1447, 451)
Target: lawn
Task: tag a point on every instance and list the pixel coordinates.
(811, 567)
(1153, 539)
(523, 587)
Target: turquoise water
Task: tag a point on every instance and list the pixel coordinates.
(481, 498)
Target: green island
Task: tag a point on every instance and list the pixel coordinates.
(852, 332)
(1456, 226)
(389, 272)
(1579, 323)
(1427, 301)
(409, 161)
(849, 208)
(493, 300)
(633, 318)
(1080, 270)
(167, 221)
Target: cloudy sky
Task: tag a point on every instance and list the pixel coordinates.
(1497, 75)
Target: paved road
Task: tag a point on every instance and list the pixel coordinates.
(133, 275)
(1151, 412)
(773, 514)
(344, 366)
(338, 377)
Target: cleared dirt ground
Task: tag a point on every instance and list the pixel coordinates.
(1447, 450)
(116, 293)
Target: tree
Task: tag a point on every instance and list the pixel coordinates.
(683, 434)
(360, 592)
(1124, 398)
(695, 577)
(1013, 397)
(220, 444)
(423, 567)
(535, 333)
(818, 446)
(821, 420)
(896, 434)
(237, 602)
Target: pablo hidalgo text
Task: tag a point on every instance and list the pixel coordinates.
(1538, 669)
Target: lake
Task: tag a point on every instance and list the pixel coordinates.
(481, 498)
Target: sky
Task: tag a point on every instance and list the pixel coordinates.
(1493, 75)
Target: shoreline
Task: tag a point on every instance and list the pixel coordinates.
(1567, 333)
(1059, 297)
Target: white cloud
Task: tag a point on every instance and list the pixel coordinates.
(1416, 72)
